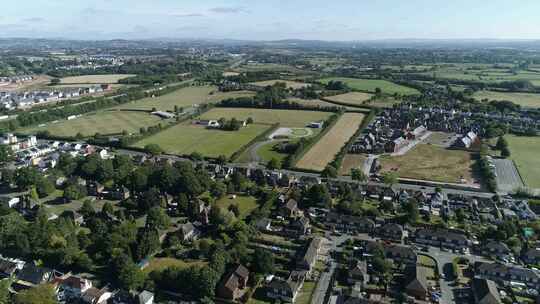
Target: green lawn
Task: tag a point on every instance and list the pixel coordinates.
(433, 163)
(267, 152)
(246, 204)
(525, 151)
(370, 85)
(103, 122)
(306, 293)
(185, 97)
(287, 118)
(186, 138)
(524, 99)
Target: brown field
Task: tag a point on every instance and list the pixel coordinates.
(352, 161)
(353, 98)
(97, 79)
(324, 151)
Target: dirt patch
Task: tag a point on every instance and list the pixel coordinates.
(351, 161)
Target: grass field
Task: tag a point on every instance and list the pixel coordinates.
(185, 97)
(159, 264)
(97, 79)
(287, 118)
(524, 152)
(246, 204)
(290, 84)
(351, 161)
(354, 98)
(370, 85)
(267, 152)
(324, 151)
(482, 73)
(523, 99)
(185, 138)
(433, 163)
(318, 102)
(106, 122)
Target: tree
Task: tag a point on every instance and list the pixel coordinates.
(153, 149)
(505, 152)
(44, 187)
(26, 177)
(330, 172)
(5, 153)
(41, 294)
(378, 91)
(263, 261)
(358, 175)
(501, 143)
(273, 164)
(75, 192)
(55, 81)
(108, 208)
(157, 218)
(390, 178)
(460, 215)
(411, 207)
(218, 189)
(318, 195)
(130, 277)
(4, 291)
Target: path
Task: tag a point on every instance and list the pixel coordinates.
(411, 145)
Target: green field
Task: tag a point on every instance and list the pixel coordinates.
(185, 97)
(186, 138)
(433, 163)
(482, 73)
(96, 79)
(523, 99)
(159, 264)
(369, 85)
(288, 83)
(246, 204)
(287, 118)
(525, 155)
(267, 152)
(104, 122)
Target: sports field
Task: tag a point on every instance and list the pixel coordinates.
(369, 85)
(186, 138)
(106, 122)
(287, 118)
(185, 97)
(96, 79)
(352, 98)
(432, 163)
(523, 99)
(525, 151)
(288, 83)
(324, 151)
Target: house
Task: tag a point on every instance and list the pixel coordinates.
(95, 189)
(264, 224)
(349, 223)
(188, 232)
(103, 153)
(416, 284)
(395, 145)
(96, 296)
(290, 210)
(397, 253)
(494, 248)
(301, 226)
(72, 286)
(506, 274)
(531, 256)
(7, 268)
(9, 201)
(307, 260)
(316, 124)
(120, 193)
(286, 290)
(442, 238)
(31, 275)
(145, 297)
(233, 285)
(392, 232)
(485, 292)
(358, 273)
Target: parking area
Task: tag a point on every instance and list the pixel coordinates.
(508, 178)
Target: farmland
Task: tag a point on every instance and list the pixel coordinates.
(330, 144)
(184, 139)
(523, 99)
(95, 79)
(287, 118)
(185, 97)
(369, 85)
(483, 73)
(352, 98)
(288, 83)
(525, 155)
(433, 163)
(106, 122)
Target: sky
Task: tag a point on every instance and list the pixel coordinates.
(271, 19)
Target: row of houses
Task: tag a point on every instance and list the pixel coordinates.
(16, 100)
(4, 81)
